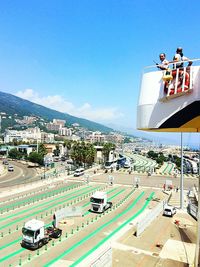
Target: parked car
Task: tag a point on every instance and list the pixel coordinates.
(5, 162)
(69, 161)
(127, 165)
(169, 210)
(79, 172)
(56, 159)
(63, 158)
(10, 168)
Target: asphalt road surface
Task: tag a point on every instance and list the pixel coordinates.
(21, 174)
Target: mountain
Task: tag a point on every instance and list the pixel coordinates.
(11, 105)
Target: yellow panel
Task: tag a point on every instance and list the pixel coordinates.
(194, 123)
(177, 130)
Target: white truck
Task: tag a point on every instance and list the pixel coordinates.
(99, 202)
(35, 235)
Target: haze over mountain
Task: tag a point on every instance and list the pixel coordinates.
(11, 105)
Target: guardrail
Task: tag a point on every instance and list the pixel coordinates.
(195, 62)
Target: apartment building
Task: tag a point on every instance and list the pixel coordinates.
(64, 131)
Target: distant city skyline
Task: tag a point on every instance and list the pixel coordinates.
(85, 57)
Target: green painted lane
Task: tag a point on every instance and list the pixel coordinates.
(88, 203)
(11, 243)
(19, 239)
(116, 194)
(35, 198)
(172, 167)
(114, 232)
(37, 206)
(12, 255)
(167, 165)
(36, 212)
(94, 232)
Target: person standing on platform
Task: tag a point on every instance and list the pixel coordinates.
(179, 58)
(164, 63)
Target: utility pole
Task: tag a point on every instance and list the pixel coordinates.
(196, 259)
(181, 181)
(37, 145)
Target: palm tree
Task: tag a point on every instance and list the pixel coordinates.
(90, 154)
(83, 153)
(68, 144)
(76, 153)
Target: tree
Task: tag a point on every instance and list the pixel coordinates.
(68, 145)
(76, 153)
(127, 140)
(42, 150)
(90, 154)
(153, 155)
(15, 154)
(83, 153)
(56, 151)
(36, 158)
(177, 161)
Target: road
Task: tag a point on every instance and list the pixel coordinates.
(144, 180)
(83, 236)
(21, 175)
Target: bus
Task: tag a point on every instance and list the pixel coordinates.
(121, 161)
(116, 163)
(194, 166)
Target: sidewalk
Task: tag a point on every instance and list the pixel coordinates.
(2, 170)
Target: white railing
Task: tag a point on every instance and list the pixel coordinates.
(175, 81)
(180, 82)
(195, 62)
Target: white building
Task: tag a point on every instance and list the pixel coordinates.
(114, 138)
(47, 137)
(96, 137)
(59, 122)
(64, 131)
(53, 127)
(11, 135)
(75, 124)
(28, 135)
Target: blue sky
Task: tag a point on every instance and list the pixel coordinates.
(85, 57)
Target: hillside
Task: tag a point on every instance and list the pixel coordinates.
(11, 105)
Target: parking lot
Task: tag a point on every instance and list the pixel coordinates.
(163, 243)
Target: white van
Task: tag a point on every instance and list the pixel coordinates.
(169, 210)
(79, 172)
(10, 168)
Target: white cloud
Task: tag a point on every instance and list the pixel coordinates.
(87, 111)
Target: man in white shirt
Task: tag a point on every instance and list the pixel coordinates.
(164, 63)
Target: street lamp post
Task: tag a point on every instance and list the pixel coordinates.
(44, 171)
(45, 165)
(196, 259)
(181, 180)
